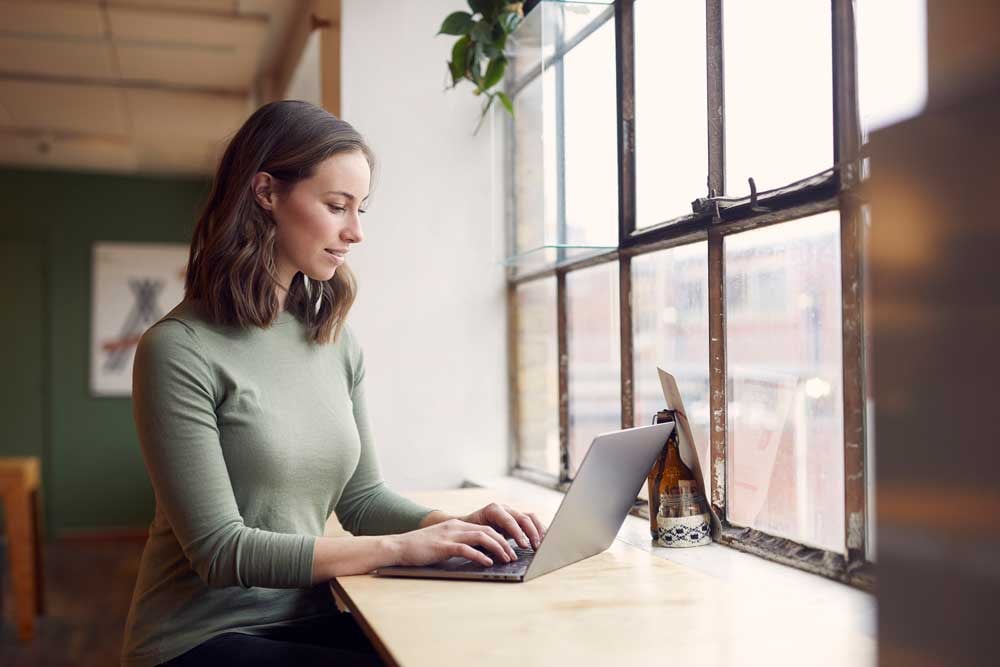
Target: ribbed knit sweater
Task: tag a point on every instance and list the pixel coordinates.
(252, 438)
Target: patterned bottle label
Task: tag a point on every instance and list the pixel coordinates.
(683, 531)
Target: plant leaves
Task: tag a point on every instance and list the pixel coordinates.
(495, 46)
(479, 6)
(459, 59)
(456, 23)
(482, 31)
(488, 8)
(509, 22)
(494, 72)
(475, 66)
(507, 104)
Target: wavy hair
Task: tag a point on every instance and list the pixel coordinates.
(231, 267)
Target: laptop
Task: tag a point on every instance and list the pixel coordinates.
(587, 521)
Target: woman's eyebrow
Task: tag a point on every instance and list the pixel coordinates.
(341, 192)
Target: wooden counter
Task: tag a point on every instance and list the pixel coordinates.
(624, 606)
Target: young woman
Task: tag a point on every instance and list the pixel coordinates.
(249, 402)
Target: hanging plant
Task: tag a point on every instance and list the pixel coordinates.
(479, 54)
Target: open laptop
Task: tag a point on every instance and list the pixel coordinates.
(589, 517)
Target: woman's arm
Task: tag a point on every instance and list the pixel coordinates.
(341, 556)
(173, 404)
(434, 517)
(439, 536)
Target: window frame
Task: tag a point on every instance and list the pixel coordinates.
(714, 218)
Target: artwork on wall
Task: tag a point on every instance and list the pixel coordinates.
(132, 286)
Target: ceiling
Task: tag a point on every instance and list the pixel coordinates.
(141, 86)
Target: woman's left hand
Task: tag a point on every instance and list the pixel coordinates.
(524, 527)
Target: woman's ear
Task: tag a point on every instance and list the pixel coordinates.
(263, 190)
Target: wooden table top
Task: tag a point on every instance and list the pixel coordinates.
(623, 606)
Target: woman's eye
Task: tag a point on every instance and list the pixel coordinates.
(336, 208)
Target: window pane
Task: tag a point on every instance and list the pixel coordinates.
(594, 357)
(779, 99)
(671, 135)
(537, 376)
(783, 341)
(892, 82)
(670, 330)
(591, 140)
(870, 472)
(534, 166)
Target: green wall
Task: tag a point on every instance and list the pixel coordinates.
(94, 477)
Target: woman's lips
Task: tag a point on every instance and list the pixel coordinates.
(337, 255)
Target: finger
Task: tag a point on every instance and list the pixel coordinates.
(509, 525)
(465, 551)
(500, 540)
(538, 525)
(486, 541)
(528, 526)
(497, 537)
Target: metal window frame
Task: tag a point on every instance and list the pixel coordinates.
(835, 190)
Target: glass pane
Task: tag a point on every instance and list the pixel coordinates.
(594, 357)
(783, 341)
(892, 82)
(670, 330)
(870, 472)
(671, 133)
(534, 165)
(537, 376)
(547, 27)
(591, 140)
(779, 99)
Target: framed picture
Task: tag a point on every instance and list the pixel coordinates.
(132, 286)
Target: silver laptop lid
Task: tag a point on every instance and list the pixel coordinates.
(598, 500)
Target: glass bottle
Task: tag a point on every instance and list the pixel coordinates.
(658, 480)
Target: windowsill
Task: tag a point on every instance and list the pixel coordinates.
(854, 606)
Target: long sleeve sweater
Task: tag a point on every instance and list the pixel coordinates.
(252, 438)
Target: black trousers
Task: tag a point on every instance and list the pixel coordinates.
(330, 640)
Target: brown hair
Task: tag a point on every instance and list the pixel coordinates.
(231, 268)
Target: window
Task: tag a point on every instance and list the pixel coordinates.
(537, 377)
(785, 431)
(671, 158)
(751, 296)
(594, 357)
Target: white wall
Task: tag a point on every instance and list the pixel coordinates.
(430, 311)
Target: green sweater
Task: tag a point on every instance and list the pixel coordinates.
(252, 438)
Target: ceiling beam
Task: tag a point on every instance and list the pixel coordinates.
(124, 83)
(329, 14)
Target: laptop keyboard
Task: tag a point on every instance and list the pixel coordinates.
(524, 557)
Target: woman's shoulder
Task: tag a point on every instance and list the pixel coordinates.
(175, 331)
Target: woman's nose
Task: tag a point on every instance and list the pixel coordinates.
(352, 232)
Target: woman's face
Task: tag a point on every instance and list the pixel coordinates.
(318, 219)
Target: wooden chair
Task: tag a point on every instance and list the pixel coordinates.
(20, 483)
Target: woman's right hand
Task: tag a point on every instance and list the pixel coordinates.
(453, 537)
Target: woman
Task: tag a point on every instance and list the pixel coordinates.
(249, 402)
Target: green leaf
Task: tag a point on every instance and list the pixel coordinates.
(459, 59)
(494, 72)
(481, 32)
(488, 8)
(456, 23)
(505, 101)
(509, 22)
(493, 49)
(475, 66)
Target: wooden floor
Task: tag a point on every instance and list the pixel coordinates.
(88, 585)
